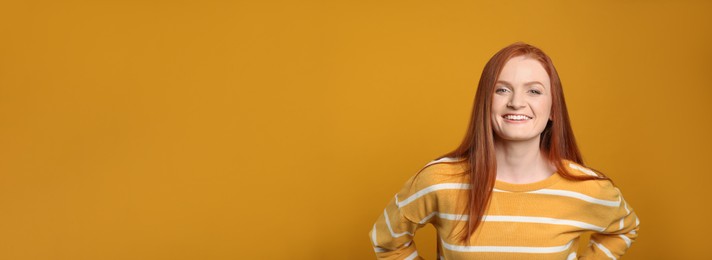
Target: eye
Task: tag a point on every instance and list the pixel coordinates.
(535, 91)
(501, 90)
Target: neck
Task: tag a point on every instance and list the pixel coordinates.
(521, 162)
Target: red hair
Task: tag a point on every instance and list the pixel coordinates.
(557, 140)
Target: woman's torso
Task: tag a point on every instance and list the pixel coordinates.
(541, 220)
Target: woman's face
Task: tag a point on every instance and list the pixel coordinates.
(521, 103)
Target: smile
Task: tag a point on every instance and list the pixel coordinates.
(516, 117)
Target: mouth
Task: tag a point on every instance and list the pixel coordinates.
(513, 117)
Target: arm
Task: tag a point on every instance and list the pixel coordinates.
(613, 242)
(392, 234)
(410, 209)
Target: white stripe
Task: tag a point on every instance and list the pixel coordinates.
(373, 235)
(427, 217)
(571, 256)
(429, 189)
(625, 204)
(620, 225)
(379, 250)
(571, 194)
(444, 159)
(543, 220)
(465, 186)
(412, 256)
(584, 170)
(521, 219)
(605, 250)
(456, 217)
(627, 240)
(576, 195)
(508, 249)
(448, 216)
(637, 222)
(393, 234)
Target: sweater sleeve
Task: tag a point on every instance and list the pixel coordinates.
(410, 209)
(618, 236)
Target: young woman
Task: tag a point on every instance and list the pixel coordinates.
(516, 187)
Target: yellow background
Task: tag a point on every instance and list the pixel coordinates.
(280, 129)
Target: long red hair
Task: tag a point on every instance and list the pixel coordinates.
(557, 139)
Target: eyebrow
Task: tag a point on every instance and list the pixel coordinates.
(525, 84)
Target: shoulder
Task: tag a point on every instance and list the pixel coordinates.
(599, 188)
(445, 161)
(431, 187)
(445, 169)
(579, 170)
(441, 173)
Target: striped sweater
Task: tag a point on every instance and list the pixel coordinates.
(541, 220)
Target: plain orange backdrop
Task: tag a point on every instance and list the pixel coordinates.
(280, 129)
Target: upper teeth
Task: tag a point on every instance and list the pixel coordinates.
(516, 117)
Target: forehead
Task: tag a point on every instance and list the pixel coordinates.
(521, 69)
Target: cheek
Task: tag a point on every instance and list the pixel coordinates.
(544, 106)
(546, 109)
(498, 102)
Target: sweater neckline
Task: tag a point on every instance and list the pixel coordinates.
(551, 180)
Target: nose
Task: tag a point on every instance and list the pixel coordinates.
(516, 101)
